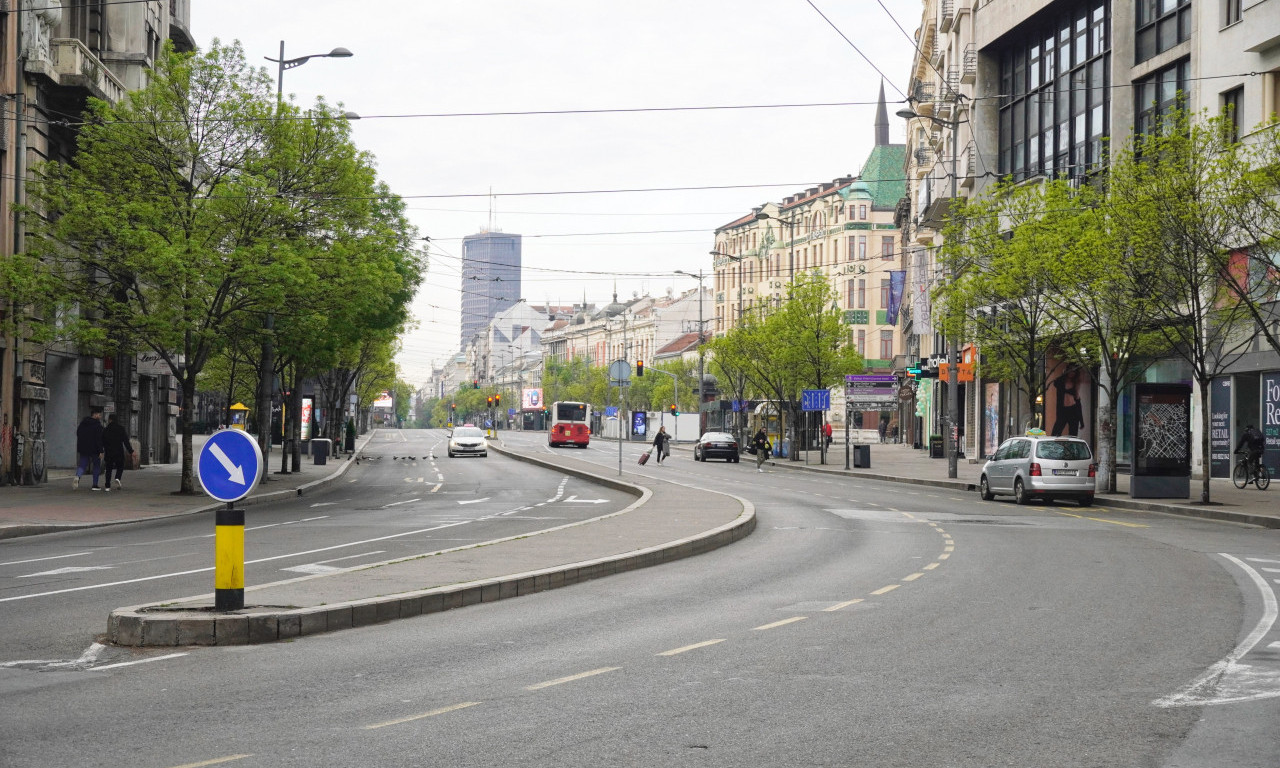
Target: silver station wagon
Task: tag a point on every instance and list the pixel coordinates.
(1036, 466)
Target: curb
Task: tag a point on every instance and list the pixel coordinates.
(148, 625)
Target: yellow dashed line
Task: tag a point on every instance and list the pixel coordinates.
(433, 490)
(943, 557)
(693, 647)
(784, 622)
(883, 590)
(931, 566)
(913, 576)
(1103, 520)
(845, 604)
(570, 678)
(432, 713)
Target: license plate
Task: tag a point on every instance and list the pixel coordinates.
(1065, 472)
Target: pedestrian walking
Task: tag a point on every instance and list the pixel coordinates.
(89, 448)
(884, 429)
(115, 445)
(660, 441)
(826, 434)
(762, 445)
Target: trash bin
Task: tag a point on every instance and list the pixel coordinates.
(320, 450)
(862, 456)
(935, 447)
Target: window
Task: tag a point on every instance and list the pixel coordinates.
(862, 212)
(886, 247)
(862, 294)
(862, 247)
(851, 294)
(1056, 80)
(1231, 112)
(853, 246)
(886, 345)
(862, 342)
(884, 294)
(1158, 94)
(1230, 12)
(1161, 24)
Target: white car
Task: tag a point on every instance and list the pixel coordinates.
(468, 441)
(1036, 466)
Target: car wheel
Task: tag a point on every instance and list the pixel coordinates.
(484, 455)
(451, 454)
(1019, 492)
(1085, 501)
(984, 489)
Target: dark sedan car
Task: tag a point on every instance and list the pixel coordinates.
(716, 445)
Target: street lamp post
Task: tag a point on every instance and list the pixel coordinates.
(701, 357)
(266, 382)
(953, 346)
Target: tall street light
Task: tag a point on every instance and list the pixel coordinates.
(701, 357)
(266, 382)
(953, 347)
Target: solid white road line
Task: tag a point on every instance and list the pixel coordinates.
(140, 661)
(41, 559)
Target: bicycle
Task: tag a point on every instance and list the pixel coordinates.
(1241, 475)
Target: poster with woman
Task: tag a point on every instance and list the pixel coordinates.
(1068, 401)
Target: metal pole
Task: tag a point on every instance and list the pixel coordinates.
(701, 356)
(953, 351)
(846, 435)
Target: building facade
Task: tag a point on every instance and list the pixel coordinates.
(490, 279)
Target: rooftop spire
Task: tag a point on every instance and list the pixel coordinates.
(882, 121)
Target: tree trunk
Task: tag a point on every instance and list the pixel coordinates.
(188, 485)
(1205, 417)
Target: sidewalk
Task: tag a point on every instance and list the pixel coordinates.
(900, 462)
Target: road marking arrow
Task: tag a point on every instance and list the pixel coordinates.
(236, 472)
(70, 569)
(576, 500)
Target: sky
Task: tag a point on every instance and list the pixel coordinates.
(566, 178)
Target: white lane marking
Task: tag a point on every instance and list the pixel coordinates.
(41, 559)
(1228, 681)
(324, 504)
(782, 623)
(312, 569)
(576, 500)
(143, 661)
(1261, 560)
(439, 478)
(398, 503)
(433, 490)
(695, 646)
(432, 713)
(68, 569)
(845, 604)
(570, 678)
(249, 562)
(472, 501)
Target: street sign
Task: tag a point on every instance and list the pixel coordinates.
(876, 392)
(620, 372)
(815, 400)
(230, 465)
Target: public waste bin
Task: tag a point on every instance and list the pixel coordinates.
(320, 450)
(862, 456)
(936, 450)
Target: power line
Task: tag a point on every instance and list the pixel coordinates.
(856, 48)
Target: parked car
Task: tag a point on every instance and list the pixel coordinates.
(716, 445)
(468, 441)
(1037, 466)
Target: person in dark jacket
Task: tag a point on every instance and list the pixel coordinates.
(115, 445)
(1252, 444)
(660, 441)
(762, 445)
(89, 447)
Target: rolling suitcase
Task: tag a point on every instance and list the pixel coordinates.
(644, 457)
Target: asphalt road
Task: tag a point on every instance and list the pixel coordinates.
(863, 623)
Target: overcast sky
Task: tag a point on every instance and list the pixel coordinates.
(418, 60)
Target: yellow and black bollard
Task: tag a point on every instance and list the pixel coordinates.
(228, 571)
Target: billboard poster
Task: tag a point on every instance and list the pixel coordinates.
(639, 423)
(1068, 401)
(531, 399)
(1271, 421)
(384, 401)
(307, 404)
(991, 419)
(1220, 427)
(1162, 430)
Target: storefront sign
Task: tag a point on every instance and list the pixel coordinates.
(1271, 420)
(1220, 427)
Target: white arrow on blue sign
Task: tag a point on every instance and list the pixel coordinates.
(815, 400)
(229, 465)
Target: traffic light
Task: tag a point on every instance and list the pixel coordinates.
(497, 400)
(639, 368)
(489, 400)
(674, 412)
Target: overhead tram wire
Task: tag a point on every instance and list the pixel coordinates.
(856, 48)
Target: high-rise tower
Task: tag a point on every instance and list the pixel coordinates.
(490, 278)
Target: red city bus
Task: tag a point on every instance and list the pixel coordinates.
(570, 424)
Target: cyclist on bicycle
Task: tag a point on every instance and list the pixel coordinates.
(1252, 444)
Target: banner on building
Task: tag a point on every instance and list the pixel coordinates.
(531, 399)
(897, 282)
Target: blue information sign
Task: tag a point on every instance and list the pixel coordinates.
(815, 400)
(229, 465)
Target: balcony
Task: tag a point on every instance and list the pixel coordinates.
(72, 65)
(969, 69)
(923, 156)
(968, 165)
(948, 16)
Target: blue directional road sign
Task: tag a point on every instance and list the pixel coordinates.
(815, 400)
(229, 465)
